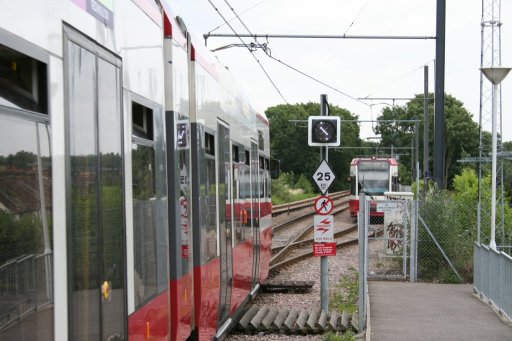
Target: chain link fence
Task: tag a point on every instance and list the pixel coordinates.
(431, 239)
(447, 230)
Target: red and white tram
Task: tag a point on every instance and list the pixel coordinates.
(134, 177)
(374, 176)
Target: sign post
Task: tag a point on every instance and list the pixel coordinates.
(324, 133)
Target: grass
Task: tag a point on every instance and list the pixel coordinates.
(346, 296)
(292, 198)
(347, 336)
(345, 299)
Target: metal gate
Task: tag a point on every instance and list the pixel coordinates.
(387, 225)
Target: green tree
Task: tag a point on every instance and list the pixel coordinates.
(289, 140)
(19, 236)
(461, 132)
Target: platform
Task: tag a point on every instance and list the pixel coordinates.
(424, 311)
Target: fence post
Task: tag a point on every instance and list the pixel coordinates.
(363, 259)
(414, 242)
(477, 280)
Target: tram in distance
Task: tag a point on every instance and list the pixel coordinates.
(374, 176)
(134, 177)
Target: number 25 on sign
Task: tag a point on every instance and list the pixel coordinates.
(324, 177)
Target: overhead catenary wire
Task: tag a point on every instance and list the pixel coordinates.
(240, 19)
(357, 16)
(257, 60)
(388, 83)
(267, 51)
(242, 13)
(316, 80)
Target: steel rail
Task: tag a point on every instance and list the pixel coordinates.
(308, 254)
(299, 236)
(312, 240)
(296, 205)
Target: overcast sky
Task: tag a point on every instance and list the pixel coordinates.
(357, 68)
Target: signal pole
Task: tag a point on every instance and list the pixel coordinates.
(324, 263)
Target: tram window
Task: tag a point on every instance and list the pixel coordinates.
(144, 204)
(144, 223)
(275, 170)
(234, 152)
(209, 144)
(23, 81)
(210, 201)
(26, 228)
(395, 183)
(142, 121)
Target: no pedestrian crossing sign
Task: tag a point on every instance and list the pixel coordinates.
(324, 177)
(323, 205)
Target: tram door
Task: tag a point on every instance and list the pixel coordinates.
(255, 212)
(95, 214)
(225, 226)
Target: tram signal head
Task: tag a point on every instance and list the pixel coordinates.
(324, 131)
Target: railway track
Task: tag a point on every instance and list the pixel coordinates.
(340, 200)
(298, 205)
(299, 241)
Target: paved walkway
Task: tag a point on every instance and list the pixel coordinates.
(418, 311)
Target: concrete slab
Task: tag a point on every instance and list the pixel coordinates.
(424, 311)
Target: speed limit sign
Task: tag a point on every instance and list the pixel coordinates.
(324, 177)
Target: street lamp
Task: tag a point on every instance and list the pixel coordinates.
(495, 75)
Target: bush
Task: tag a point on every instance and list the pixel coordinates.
(304, 184)
(285, 190)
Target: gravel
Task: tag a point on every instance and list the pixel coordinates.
(306, 270)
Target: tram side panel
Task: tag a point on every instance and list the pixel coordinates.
(242, 233)
(90, 123)
(265, 197)
(26, 184)
(96, 260)
(179, 180)
(204, 95)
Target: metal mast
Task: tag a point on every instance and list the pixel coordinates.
(490, 57)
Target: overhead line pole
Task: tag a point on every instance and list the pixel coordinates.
(439, 117)
(426, 123)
